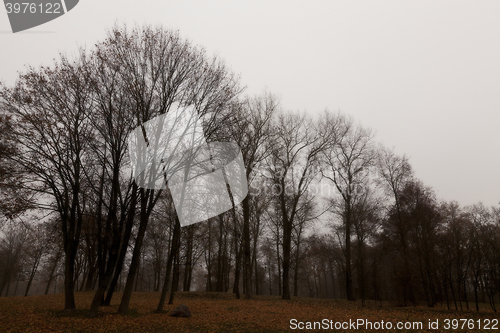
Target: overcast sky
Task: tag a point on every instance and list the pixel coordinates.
(425, 75)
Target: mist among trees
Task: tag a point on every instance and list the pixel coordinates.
(331, 213)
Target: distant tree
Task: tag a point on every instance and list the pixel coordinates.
(38, 237)
(292, 166)
(251, 129)
(366, 217)
(394, 173)
(12, 254)
(305, 216)
(14, 197)
(457, 244)
(424, 223)
(486, 249)
(346, 166)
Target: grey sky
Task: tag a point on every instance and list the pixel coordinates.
(424, 74)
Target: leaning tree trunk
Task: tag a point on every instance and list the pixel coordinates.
(134, 265)
(173, 250)
(32, 274)
(124, 247)
(52, 271)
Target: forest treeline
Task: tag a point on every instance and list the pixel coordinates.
(330, 212)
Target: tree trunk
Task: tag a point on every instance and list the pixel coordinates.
(7, 290)
(124, 247)
(361, 272)
(32, 275)
(220, 271)
(257, 291)
(69, 296)
(237, 269)
(332, 273)
(270, 280)
(53, 269)
(189, 257)
(4, 282)
(17, 284)
(247, 277)
(296, 270)
(287, 242)
(134, 265)
(175, 278)
(476, 298)
(348, 267)
(278, 259)
(173, 250)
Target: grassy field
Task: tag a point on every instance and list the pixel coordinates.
(217, 312)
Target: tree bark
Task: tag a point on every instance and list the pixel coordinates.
(145, 195)
(33, 272)
(69, 260)
(53, 269)
(124, 246)
(173, 250)
(348, 266)
(247, 277)
(237, 269)
(189, 257)
(296, 270)
(175, 278)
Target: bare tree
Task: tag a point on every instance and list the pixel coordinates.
(137, 75)
(395, 172)
(52, 107)
(366, 221)
(15, 198)
(346, 166)
(39, 237)
(174, 245)
(424, 222)
(251, 129)
(305, 215)
(292, 166)
(12, 251)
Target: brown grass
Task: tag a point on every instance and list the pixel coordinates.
(211, 312)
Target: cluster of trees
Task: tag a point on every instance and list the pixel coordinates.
(329, 213)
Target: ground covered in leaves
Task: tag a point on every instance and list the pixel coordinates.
(216, 312)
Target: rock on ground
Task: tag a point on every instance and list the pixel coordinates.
(181, 311)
